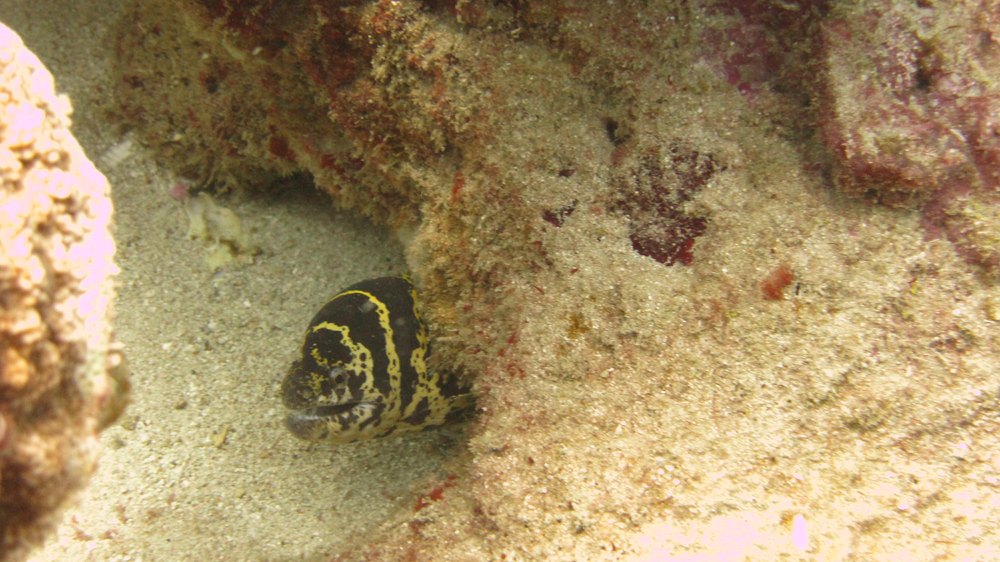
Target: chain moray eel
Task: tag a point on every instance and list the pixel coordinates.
(363, 371)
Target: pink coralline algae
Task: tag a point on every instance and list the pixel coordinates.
(765, 51)
(909, 109)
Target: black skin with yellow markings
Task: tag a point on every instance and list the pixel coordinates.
(363, 370)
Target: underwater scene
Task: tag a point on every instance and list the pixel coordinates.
(514, 280)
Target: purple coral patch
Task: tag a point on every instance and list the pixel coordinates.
(652, 192)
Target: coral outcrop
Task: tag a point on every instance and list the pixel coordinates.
(61, 377)
(625, 233)
(910, 111)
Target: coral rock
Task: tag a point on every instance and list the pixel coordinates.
(909, 113)
(56, 355)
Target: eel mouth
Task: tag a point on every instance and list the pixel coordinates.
(338, 423)
(325, 410)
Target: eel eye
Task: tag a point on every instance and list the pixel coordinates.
(338, 377)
